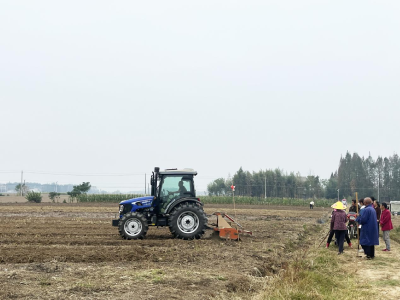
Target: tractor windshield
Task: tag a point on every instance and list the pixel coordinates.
(176, 186)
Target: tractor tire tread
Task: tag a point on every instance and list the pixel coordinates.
(202, 219)
(138, 216)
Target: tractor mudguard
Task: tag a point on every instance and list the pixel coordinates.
(171, 205)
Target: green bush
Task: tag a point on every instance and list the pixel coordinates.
(34, 197)
(53, 196)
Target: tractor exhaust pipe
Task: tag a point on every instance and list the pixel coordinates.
(153, 181)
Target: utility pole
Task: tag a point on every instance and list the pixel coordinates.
(145, 191)
(379, 183)
(338, 195)
(20, 190)
(265, 188)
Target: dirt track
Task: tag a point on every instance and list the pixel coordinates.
(71, 251)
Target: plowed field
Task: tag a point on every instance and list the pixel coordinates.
(71, 251)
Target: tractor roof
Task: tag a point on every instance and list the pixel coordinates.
(178, 172)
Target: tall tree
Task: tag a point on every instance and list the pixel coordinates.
(386, 178)
(83, 188)
(217, 187)
(344, 175)
(331, 187)
(22, 187)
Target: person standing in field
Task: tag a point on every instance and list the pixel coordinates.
(386, 225)
(361, 204)
(369, 236)
(312, 204)
(338, 224)
(353, 207)
(377, 210)
(360, 211)
(331, 234)
(344, 202)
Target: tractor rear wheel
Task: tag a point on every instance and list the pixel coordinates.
(133, 226)
(187, 221)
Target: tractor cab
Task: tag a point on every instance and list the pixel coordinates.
(171, 186)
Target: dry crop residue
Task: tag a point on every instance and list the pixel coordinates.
(55, 250)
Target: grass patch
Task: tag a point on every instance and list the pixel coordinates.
(318, 275)
(222, 278)
(395, 234)
(158, 279)
(44, 281)
(88, 288)
(155, 275)
(389, 282)
(157, 272)
(380, 262)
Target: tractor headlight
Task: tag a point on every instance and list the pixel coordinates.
(121, 209)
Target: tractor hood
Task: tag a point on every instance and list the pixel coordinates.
(144, 201)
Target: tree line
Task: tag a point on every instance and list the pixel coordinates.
(46, 188)
(268, 183)
(368, 177)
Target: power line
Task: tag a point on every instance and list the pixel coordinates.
(75, 174)
(92, 174)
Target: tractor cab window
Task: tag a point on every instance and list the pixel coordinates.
(176, 186)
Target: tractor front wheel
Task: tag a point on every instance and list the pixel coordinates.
(187, 221)
(133, 226)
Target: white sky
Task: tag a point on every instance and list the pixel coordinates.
(119, 87)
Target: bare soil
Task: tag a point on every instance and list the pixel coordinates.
(58, 251)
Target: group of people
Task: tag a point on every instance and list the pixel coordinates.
(370, 216)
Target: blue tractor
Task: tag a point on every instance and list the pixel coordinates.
(172, 203)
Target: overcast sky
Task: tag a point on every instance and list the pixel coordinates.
(119, 87)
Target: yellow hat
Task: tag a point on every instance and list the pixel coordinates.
(338, 205)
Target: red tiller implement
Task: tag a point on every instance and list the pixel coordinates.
(226, 230)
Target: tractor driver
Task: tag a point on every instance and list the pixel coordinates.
(182, 190)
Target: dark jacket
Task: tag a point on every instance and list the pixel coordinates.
(353, 209)
(378, 213)
(339, 219)
(369, 232)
